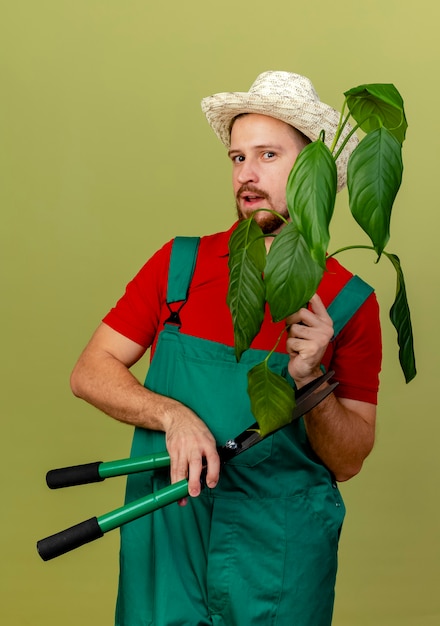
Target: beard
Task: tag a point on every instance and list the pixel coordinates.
(268, 222)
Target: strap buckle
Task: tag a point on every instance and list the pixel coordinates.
(174, 318)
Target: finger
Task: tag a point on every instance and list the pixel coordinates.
(316, 321)
(295, 347)
(318, 307)
(295, 318)
(213, 469)
(212, 464)
(178, 469)
(195, 470)
(300, 331)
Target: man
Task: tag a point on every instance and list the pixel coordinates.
(259, 545)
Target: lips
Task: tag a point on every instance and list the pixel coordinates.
(251, 197)
(250, 200)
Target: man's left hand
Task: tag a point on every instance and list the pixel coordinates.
(309, 333)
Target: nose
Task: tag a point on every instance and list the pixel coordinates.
(247, 172)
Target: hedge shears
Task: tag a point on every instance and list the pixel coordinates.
(306, 399)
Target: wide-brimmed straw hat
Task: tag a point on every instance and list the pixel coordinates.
(287, 97)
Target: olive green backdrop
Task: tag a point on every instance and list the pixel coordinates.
(105, 155)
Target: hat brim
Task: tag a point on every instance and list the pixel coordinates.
(309, 117)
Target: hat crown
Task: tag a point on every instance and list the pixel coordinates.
(284, 85)
(290, 98)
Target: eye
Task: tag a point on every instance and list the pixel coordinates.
(239, 158)
(268, 155)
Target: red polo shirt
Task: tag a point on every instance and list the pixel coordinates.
(355, 354)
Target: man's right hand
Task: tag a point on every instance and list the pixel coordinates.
(190, 445)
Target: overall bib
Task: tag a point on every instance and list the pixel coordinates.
(260, 548)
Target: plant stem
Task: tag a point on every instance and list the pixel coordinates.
(350, 248)
(340, 127)
(275, 346)
(273, 213)
(344, 143)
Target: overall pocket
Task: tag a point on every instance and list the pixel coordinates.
(325, 504)
(217, 391)
(206, 377)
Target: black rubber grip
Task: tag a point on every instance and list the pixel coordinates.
(75, 475)
(69, 539)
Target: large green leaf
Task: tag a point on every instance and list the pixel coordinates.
(401, 320)
(246, 292)
(374, 175)
(272, 398)
(378, 104)
(249, 236)
(311, 194)
(291, 275)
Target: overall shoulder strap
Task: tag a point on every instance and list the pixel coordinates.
(182, 264)
(347, 302)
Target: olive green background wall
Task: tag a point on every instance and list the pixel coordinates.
(105, 155)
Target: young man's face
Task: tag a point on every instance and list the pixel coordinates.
(263, 151)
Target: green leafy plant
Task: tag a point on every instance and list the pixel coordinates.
(289, 274)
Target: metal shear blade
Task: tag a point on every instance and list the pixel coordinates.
(306, 399)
